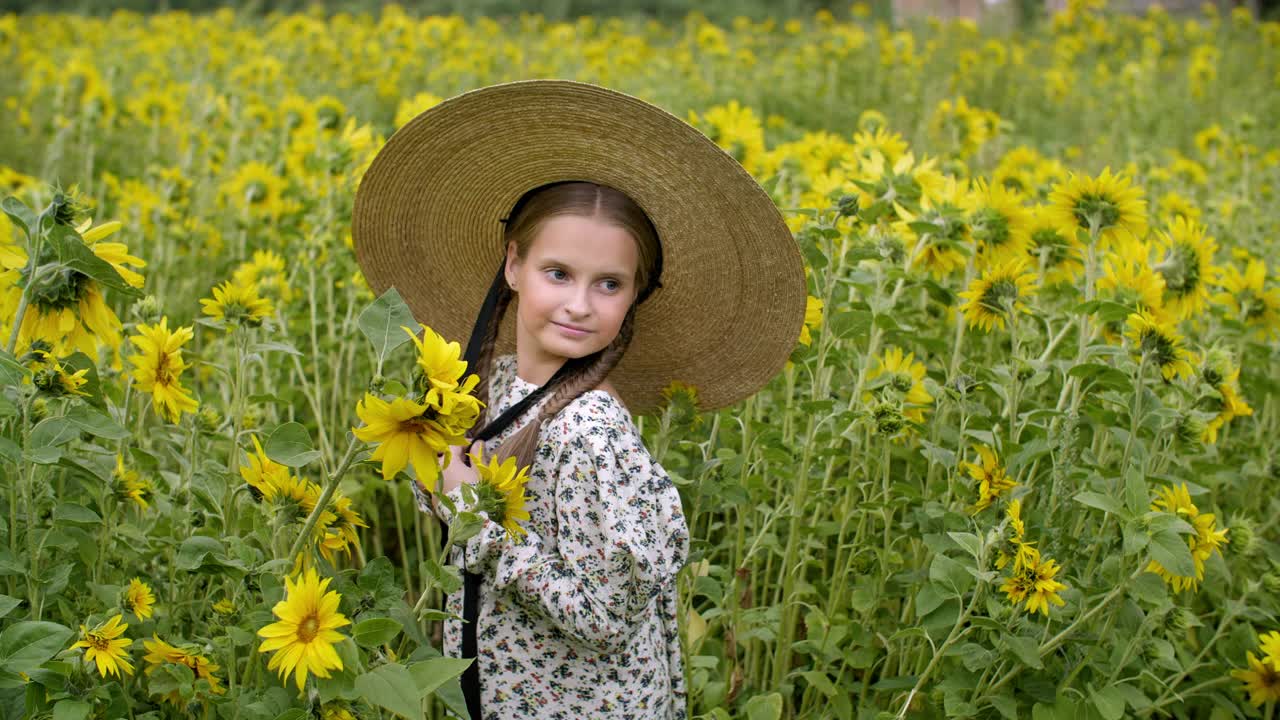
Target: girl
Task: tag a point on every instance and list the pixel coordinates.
(636, 253)
(580, 613)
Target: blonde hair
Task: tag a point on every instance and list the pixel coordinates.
(583, 199)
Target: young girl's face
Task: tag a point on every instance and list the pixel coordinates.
(573, 288)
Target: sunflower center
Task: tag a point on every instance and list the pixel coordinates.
(901, 382)
(1181, 269)
(255, 192)
(99, 642)
(1099, 209)
(991, 227)
(1052, 244)
(308, 628)
(1000, 295)
(1158, 347)
(165, 374)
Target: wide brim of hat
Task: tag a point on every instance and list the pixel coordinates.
(427, 221)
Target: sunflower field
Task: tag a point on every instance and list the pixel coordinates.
(1017, 466)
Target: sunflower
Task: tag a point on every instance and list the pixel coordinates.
(139, 599)
(894, 376)
(1270, 644)
(256, 191)
(1173, 205)
(1261, 681)
(160, 652)
(812, 320)
(104, 646)
(51, 378)
(1108, 205)
(999, 292)
(129, 486)
(501, 492)
(1016, 170)
(1219, 371)
(266, 477)
(990, 475)
(942, 224)
(439, 381)
(68, 307)
(1054, 249)
(237, 303)
(1158, 343)
(407, 432)
(888, 145)
(1043, 587)
(266, 271)
(306, 631)
(1014, 547)
(884, 185)
(1245, 294)
(1202, 543)
(1128, 280)
(999, 222)
(158, 367)
(1187, 267)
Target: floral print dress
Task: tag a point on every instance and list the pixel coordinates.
(577, 619)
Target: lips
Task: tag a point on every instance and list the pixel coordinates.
(570, 327)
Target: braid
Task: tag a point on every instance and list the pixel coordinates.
(523, 444)
(490, 340)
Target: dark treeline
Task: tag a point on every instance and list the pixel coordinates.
(718, 10)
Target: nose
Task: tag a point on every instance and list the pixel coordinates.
(578, 304)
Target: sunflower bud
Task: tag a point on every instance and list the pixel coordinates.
(847, 205)
(1271, 581)
(208, 420)
(1188, 429)
(147, 310)
(1216, 368)
(888, 418)
(251, 418)
(1242, 538)
(1183, 619)
(39, 410)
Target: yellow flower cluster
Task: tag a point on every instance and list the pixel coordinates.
(416, 429)
(1206, 539)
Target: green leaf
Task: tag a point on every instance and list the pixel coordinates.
(764, 707)
(968, 541)
(7, 604)
(951, 574)
(293, 714)
(20, 214)
(1005, 705)
(95, 423)
(27, 645)
(1104, 375)
(1105, 503)
(1136, 495)
(1109, 701)
(73, 253)
(1027, 649)
(391, 687)
(382, 320)
(71, 710)
(70, 512)
(375, 631)
(1172, 551)
(290, 445)
(194, 550)
(53, 431)
(431, 674)
(11, 371)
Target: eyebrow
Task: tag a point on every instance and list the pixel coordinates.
(556, 261)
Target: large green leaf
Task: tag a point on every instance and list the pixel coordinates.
(391, 687)
(434, 672)
(382, 320)
(73, 253)
(1172, 551)
(27, 645)
(290, 445)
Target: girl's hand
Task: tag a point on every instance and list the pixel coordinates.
(457, 472)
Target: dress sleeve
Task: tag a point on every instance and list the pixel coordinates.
(621, 538)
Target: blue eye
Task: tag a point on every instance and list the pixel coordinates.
(614, 285)
(554, 272)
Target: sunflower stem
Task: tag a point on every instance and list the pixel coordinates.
(327, 493)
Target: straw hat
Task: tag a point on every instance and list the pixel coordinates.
(429, 210)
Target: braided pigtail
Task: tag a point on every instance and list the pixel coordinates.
(523, 444)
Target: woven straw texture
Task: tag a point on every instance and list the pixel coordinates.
(428, 211)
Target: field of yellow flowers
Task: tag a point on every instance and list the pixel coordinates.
(1022, 463)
